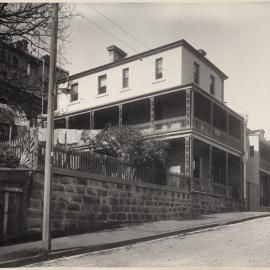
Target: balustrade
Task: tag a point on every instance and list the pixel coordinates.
(164, 125)
(218, 134)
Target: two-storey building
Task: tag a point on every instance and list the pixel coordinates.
(23, 86)
(258, 170)
(171, 93)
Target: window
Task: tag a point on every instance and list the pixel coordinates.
(102, 84)
(125, 80)
(212, 84)
(196, 72)
(159, 68)
(251, 151)
(15, 61)
(28, 69)
(3, 56)
(74, 92)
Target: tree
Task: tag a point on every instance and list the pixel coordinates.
(128, 143)
(32, 22)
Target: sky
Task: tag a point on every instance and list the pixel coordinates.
(236, 37)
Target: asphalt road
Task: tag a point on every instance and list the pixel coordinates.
(243, 244)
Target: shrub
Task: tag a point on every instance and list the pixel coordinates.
(127, 143)
(8, 159)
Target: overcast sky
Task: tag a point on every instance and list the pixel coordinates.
(236, 37)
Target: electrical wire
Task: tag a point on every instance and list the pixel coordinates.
(135, 38)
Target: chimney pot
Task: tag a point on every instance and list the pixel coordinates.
(46, 58)
(21, 45)
(202, 52)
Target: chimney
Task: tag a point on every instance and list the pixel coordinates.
(115, 53)
(202, 52)
(18, 45)
(21, 45)
(46, 58)
(24, 45)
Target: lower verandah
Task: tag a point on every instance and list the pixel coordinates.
(211, 169)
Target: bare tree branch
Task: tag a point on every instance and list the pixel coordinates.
(31, 22)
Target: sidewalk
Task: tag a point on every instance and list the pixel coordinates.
(76, 244)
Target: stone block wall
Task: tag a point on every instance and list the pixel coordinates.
(82, 202)
(204, 203)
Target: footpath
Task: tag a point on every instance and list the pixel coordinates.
(26, 253)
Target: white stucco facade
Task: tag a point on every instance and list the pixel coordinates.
(177, 70)
(188, 60)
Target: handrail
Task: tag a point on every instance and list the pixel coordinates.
(224, 136)
(169, 120)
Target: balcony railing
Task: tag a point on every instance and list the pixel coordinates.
(215, 133)
(212, 187)
(176, 123)
(264, 164)
(219, 189)
(163, 126)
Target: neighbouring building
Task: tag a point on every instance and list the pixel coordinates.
(171, 93)
(258, 170)
(23, 86)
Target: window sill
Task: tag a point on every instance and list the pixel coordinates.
(125, 89)
(102, 95)
(159, 81)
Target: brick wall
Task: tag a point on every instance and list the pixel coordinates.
(83, 202)
(204, 203)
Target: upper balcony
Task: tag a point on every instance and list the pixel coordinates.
(173, 112)
(264, 150)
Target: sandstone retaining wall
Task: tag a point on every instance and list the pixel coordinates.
(83, 202)
(204, 203)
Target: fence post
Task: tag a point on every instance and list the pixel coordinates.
(34, 148)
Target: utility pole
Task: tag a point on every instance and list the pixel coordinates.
(245, 162)
(46, 229)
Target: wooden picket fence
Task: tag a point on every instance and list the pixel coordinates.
(16, 147)
(87, 161)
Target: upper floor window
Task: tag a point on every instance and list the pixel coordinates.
(159, 68)
(212, 84)
(74, 92)
(125, 79)
(3, 56)
(28, 69)
(102, 89)
(15, 61)
(196, 73)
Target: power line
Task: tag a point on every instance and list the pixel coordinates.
(123, 42)
(104, 30)
(135, 38)
(126, 32)
(117, 25)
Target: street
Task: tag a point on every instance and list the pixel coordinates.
(243, 244)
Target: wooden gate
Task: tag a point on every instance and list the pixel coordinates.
(13, 203)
